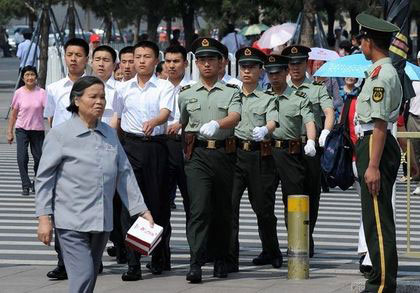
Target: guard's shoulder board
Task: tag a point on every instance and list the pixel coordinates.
(317, 83)
(300, 94)
(185, 87)
(375, 72)
(232, 85)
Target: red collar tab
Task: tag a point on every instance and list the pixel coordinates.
(375, 72)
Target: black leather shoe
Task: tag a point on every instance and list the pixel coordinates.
(133, 274)
(155, 268)
(112, 251)
(25, 191)
(220, 269)
(194, 275)
(262, 259)
(277, 262)
(232, 268)
(59, 273)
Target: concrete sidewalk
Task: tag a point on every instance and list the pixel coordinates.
(16, 279)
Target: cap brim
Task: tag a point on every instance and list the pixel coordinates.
(250, 62)
(208, 53)
(297, 60)
(275, 69)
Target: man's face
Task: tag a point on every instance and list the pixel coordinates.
(297, 71)
(209, 66)
(250, 73)
(278, 79)
(103, 65)
(366, 47)
(145, 61)
(127, 66)
(76, 59)
(175, 65)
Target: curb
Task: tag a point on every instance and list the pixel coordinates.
(403, 286)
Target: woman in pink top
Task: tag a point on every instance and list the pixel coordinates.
(27, 115)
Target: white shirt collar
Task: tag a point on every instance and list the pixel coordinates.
(153, 80)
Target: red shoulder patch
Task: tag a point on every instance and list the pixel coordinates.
(375, 72)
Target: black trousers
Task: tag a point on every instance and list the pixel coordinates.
(34, 139)
(258, 174)
(116, 235)
(149, 160)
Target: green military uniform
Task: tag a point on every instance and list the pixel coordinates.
(210, 169)
(255, 170)
(380, 98)
(320, 100)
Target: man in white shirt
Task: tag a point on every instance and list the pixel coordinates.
(126, 57)
(224, 77)
(143, 107)
(26, 47)
(76, 52)
(233, 41)
(58, 99)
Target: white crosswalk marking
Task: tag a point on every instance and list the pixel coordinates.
(336, 233)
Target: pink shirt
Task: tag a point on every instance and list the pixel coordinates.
(30, 108)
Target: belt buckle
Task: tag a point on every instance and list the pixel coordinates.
(278, 143)
(211, 144)
(246, 145)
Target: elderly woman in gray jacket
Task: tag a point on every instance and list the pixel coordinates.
(82, 166)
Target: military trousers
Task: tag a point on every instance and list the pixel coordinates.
(312, 188)
(377, 214)
(209, 181)
(258, 175)
(290, 173)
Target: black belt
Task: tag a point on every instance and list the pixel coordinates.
(175, 137)
(210, 144)
(369, 132)
(155, 138)
(249, 145)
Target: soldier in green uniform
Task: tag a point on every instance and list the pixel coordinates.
(255, 168)
(209, 112)
(322, 105)
(377, 151)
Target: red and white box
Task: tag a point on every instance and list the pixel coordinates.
(142, 238)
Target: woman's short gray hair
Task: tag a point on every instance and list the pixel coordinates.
(78, 90)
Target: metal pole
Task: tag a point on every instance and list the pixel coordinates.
(298, 237)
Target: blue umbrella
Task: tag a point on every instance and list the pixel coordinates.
(355, 66)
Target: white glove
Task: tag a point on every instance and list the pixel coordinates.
(259, 133)
(210, 128)
(322, 137)
(309, 148)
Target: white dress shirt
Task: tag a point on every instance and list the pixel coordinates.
(227, 79)
(415, 101)
(111, 86)
(175, 113)
(136, 105)
(23, 49)
(58, 99)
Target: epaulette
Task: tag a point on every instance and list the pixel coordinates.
(232, 85)
(375, 72)
(300, 94)
(318, 83)
(185, 87)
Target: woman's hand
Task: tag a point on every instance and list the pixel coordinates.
(148, 216)
(45, 230)
(10, 137)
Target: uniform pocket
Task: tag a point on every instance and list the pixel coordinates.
(192, 107)
(258, 116)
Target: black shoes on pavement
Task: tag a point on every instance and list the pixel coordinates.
(194, 275)
(265, 259)
(59, 273)
(133, 274)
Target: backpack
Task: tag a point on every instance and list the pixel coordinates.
(336, 161)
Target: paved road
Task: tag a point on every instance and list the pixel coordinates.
(336, 233)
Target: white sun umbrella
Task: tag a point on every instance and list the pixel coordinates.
(277, 35)
(323, 54)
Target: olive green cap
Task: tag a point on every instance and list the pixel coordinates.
(276, 63)
(249, 55)
(374, 27)
(204, 47)
(296, 53)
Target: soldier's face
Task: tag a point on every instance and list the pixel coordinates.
(103, 65)
(278, 79)
(250, 74)
(297, 71)
(76, 59)
(127, 65)
(145, 61)
(175, 65)
(209, 66)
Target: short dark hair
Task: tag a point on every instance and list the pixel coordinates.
(106, 48)
(77, 42)
(159, 67)
(126, 50)
(27, 35)
(28, 68)
(177, 49)
(383, 43)
(79, 88)
(148, 44)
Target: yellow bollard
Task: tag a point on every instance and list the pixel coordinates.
(298, 237)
